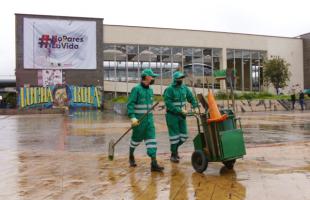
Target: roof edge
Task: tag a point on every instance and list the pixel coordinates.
(223, 32)
(55, 16)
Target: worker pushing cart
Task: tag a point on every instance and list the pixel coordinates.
(176, 96)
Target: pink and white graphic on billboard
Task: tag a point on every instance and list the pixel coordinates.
(59, 44)
(51, 77)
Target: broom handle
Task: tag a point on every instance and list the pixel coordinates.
(140, 120)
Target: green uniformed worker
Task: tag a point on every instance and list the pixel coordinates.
(176, 95)
(139, 102)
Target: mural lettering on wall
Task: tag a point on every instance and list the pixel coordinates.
(32, 96)
(59, 96)
(84, 96)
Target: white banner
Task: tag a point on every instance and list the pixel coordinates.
(59, 44)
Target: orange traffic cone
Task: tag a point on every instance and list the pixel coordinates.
(215, 115)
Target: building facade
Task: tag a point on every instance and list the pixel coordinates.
(122, 52)
(306, 55)
(130, 49)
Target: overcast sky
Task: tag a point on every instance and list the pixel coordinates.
(266, 17)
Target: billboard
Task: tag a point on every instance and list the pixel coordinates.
(59, 44)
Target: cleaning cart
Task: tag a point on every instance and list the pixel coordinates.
(220, 136)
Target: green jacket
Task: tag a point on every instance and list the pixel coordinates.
(140, 101)
(176, 97)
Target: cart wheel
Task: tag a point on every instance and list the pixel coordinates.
(199, 161)
(229, 163)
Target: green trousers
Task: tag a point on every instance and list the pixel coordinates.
(177, 128)
(145, 131)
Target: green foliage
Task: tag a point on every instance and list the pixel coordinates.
(124, 99)
(158, 98)
(10, 99)
(257, 95)
(276, 72)
(121, 99)
(221, 95)
(248, 96)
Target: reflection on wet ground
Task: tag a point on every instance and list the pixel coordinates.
(65, 157)
(276, 128)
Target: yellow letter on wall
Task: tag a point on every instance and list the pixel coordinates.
(21, 97)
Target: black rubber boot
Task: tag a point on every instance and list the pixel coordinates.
(174, 158)
(155, 167)
(132, 161)
(177, 155)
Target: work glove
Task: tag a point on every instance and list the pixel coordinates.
(184, 111)
(196, 111)
(134, 122)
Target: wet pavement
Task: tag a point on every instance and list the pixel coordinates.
(65, 157)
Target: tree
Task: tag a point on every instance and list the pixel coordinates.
(276, 73)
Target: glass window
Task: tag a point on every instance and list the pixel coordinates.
(124, 63)
(166, 73)
(217, 65)
(166, 51)
(155, 64)
(246, 70)
(238, 68)
(207, 53)
(177, 56)
(155, 49)
(132, 49)
(188, 53)
(120, 49)
(121, 66)
(132, 64)
(217, 55)
(255, 70)
(230, 62)
(108, 51)
(230, 53)
(109, 61)
(262, 57)
(230, 58)
(176, 50)
(198, 67)
(188, 64)
(207, 61)
(143, 48)
(217, 52)
(166, 65)
(108, 67)
(238, 53)
(145, 57)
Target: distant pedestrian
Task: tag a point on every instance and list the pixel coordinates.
(293, 100)
(301, 99)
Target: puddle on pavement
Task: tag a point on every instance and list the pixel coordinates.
(73, 175)
(64, 157)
